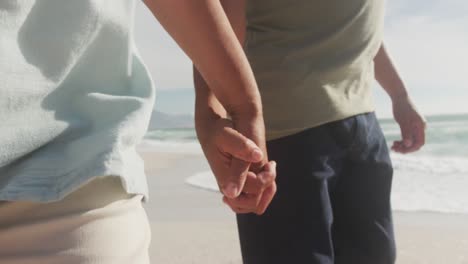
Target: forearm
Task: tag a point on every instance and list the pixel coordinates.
(387, 75)
(207, 103)
(208, 110)
(207, 107)
(202, 30)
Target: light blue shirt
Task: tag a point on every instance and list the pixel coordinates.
(75, 98)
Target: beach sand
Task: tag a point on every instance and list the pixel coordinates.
(191, 225)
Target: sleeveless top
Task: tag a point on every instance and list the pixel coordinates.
(313, 59)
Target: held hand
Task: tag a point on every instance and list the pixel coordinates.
(258, 192)
(412, 126)
(230, 154)
(260, 186)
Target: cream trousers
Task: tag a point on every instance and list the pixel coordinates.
(97, 224)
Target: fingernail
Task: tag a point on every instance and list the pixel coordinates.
(231, 190)
(257, 154)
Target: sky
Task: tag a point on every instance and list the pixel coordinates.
(428, 40)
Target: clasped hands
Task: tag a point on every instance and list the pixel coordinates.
(245, 177)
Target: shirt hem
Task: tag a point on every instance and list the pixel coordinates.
(273, 135)
(104, 168)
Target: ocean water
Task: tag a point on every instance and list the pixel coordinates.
(433, 179)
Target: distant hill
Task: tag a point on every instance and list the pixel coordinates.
(160, 120)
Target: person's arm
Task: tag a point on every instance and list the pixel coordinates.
(207, 103)
(412, 123)
(210, 115)
(203, 31)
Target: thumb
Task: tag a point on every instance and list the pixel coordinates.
(237, 145)
(237, 177)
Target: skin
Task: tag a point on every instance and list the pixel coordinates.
(412, 123)
(259, 189)
(202, 30)
(227, 151)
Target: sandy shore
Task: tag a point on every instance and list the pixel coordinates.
(192, 225)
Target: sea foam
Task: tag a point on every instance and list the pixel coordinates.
(420, 183)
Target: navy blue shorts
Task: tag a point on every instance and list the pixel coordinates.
(333, 199)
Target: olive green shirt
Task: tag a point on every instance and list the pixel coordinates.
(313, 59)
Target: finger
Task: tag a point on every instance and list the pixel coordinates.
(418, 140)
(398, 146)
(257, 195)
(253, 185)
(236, 209)
(420, 135)
(268, 175)
(406, 141)
(236, 180)
(267, 197)
(235, 144)
(242, 211)
(244, 201)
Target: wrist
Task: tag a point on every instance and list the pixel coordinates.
(245, 112)
(399, 95)
(205, 120)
